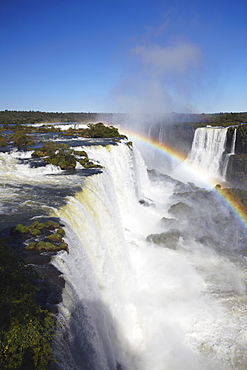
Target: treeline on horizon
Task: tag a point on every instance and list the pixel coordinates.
(28, 117)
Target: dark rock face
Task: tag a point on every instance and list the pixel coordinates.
(181, 211)
(168, 239)
(169, 223)
(237, 165)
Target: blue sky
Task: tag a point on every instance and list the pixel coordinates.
(123, 56)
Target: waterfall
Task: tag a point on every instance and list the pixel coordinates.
(207, 150)
(232, 152)
(136, 305)
(155, 277)
(161, 134)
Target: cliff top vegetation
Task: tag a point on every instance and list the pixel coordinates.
(22, 117)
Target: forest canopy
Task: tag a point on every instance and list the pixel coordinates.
(22, 117)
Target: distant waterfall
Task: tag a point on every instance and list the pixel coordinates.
(207, 150)
(232, 152)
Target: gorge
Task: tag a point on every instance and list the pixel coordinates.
(155, 277)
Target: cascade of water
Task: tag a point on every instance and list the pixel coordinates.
(207, 149)
(232, 152)
(142, 305)
(161, 134)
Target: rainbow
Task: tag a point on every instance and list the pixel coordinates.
(226, 197)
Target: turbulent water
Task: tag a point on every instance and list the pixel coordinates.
(155, 278)
(208, 148)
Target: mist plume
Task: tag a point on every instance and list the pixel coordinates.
(159, 79)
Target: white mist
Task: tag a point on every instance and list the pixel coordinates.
(140, 305)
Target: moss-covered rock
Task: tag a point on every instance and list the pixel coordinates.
(65, 161)
(35, 232)
(55, 238)
(52, 225)
(3, 141)
(42, 235)
(61, 231)
(31, 246)
(47, 149)
(21, 139)
(88, 164)
(20, 229)
(80, 153)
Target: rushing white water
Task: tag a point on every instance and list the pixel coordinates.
(207, 150)
(232, 152)
(146, 305)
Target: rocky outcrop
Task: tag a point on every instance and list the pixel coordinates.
(181, 211)
(168, 239)
(237, 165)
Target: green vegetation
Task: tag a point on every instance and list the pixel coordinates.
(237, 170)
(226, 119)
(21, 139)
(63, 156)
(50, 232)
(20, 117)
(96, 130)
(100, 130)
(3, 141)
(48, 246)
(238, 195)
(241, 142)
(25, 329)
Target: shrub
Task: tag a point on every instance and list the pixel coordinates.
(3, 141)
(20, 138)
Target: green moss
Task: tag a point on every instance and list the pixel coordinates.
(47, 149)
(51, 225)
(35, 232)
(64, 160)
(88, 164)
(31, 246)
(3, 141)
(20, 138)
(61, 231)
(81, 153)
(55, 238)
(25, 329)
(63, 246)
(33, 229)
(50, 247)
(20, 229)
